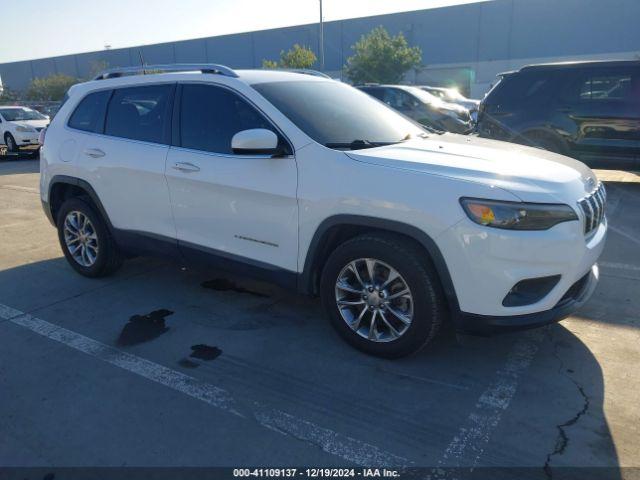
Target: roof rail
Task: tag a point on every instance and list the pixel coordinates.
(305, 71)
(175, 67)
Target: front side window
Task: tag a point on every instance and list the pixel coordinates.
(528, 89)
(139, 113)
(210, 116)
(89, 114)
(333, 113)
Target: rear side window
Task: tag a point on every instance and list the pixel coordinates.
(89, 114)
(210, 116)
(613, 86)
(140, 113)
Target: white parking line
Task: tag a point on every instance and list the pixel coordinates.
(467, 446)
(628, 236)
(19, 188)
(620, 266)
(345, 447)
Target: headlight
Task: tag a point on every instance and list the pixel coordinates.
(25, 128)
(517, 215)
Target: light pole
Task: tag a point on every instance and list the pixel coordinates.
(321, 39)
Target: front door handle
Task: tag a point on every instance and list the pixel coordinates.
(186, 167)
(94, 152)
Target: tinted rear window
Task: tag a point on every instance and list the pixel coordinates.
(89, 114)
(140, 113)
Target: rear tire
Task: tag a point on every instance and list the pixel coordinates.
(86, 241)
(403, 323)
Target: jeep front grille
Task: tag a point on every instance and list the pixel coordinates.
(593, 208)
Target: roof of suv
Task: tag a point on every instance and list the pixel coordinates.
(249, 77)
(590, 63)
(262, 76)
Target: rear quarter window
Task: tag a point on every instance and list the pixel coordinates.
(89, 114)
(600, 84)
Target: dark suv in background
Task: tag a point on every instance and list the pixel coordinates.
(589, 111)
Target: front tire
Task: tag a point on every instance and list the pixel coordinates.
(11, 143)
(85, 240)
(382, 295)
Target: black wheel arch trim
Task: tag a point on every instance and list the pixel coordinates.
(77, 182)
(307, 278)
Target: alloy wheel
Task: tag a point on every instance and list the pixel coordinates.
(80, 238)
(374, 300)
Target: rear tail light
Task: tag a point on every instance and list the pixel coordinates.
(41, 136)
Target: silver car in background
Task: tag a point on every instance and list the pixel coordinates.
(452, 95)
(422, 107)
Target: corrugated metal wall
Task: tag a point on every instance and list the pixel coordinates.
(484, 37)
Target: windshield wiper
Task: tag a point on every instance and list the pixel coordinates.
(431, 129)
(357, 144)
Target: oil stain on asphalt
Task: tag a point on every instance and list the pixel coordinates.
(205, 352)
(201, 352)
(224, 285)
(142, 328)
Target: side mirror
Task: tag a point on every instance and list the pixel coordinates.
(256, 141)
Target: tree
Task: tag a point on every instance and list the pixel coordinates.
(269, 64)
(49, 88)
(296, 57)
(10, 96)
(381, 58)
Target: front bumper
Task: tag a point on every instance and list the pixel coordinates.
(26, 138)
(574, 298)
(486, 263)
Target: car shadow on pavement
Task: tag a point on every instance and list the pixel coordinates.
(12, 165)
(550, 414)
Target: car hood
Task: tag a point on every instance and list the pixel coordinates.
(531, 174)
(33, 123)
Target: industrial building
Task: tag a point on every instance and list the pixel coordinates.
(466, 45)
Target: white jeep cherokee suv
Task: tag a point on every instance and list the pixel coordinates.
(314, 185)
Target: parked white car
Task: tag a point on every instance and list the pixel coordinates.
(314, 185)
(20, 126)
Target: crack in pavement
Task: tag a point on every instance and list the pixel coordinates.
(562, 440)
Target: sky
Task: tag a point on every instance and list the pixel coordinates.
(61, 27)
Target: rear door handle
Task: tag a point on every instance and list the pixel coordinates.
(186, 167)
(94, 152)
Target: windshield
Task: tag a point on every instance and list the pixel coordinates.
(423, 96)
(19, 114)
(337, 115)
